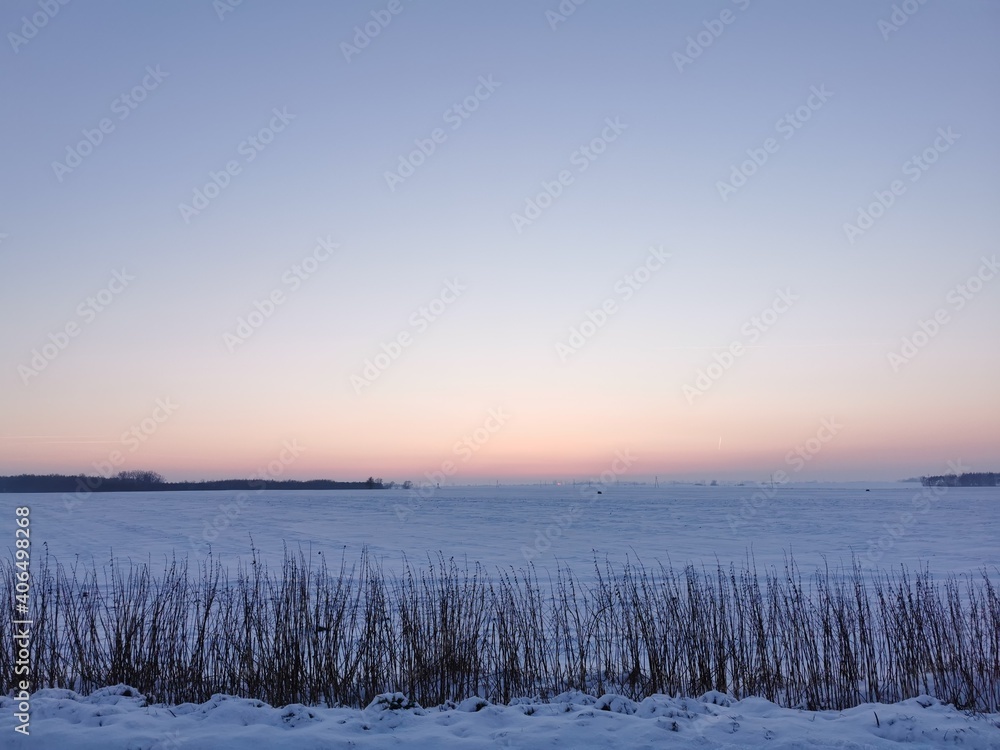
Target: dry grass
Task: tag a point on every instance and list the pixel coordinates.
(309, 633)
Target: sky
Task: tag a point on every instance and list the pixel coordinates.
(470, 241)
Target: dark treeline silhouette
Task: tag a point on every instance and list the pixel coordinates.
(974, 479)
(150, 481)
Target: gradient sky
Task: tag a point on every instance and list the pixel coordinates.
(495, 346)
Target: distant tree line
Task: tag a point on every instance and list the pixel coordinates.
(150, 481)
(974, 479)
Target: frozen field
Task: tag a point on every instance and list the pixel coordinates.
(953, 531)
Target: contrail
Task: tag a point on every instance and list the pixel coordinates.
(60, 439)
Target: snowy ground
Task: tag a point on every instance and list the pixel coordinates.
(109, 720)
(953, 531)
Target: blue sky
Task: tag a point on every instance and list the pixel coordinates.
(552, 90)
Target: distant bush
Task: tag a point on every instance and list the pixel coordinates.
(309, 634)
(974, 479)
(150, 481)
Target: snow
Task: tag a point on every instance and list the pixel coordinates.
(118, 717)
(954, 531)
(553, 525)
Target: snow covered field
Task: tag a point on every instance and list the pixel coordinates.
(951, 531)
